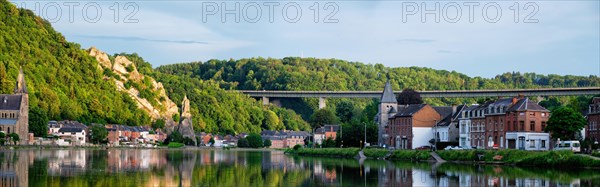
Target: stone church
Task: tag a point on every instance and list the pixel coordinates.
(14, 111)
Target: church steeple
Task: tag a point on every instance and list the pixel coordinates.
(21, 85)
(388, 94)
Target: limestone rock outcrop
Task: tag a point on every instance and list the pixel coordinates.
(162, 109)
(186, 126)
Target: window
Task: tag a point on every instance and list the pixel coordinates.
(543, 144)
(543, 125)
(521, 126)
(532, 143)
(532, 126)
(510, 126)
(543, 114)
(522, 113)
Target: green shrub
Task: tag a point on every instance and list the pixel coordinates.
(175, 145)
(410, 155)
(560, 159)
(329, 152)
(375, 153)
(297, 146)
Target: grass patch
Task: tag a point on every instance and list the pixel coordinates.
(410, 155)
(561, 159)
(328, 152)
(507, 156)
(175, 145)
(375, 153)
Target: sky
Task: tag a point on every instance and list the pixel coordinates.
(472, 37)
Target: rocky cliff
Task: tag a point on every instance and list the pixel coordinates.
(126, 73)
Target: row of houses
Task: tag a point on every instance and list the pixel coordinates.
(76, 133)
(505, 123)
(285, 139)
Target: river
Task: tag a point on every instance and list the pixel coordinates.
(215, 167)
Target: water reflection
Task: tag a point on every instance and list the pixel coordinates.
(142, 167)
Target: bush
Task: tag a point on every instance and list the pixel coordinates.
(297, 146)
(242, 142)
(267, 143)
(560, 159)
(254, 140)
(175, 145)
(329, 152)
(375, 153)
(410, 155)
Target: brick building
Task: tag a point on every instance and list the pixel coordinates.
(411, 126)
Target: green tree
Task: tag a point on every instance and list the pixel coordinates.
(38, 122)
(329, 142)
(271, 121)
(175, 136)
(211, 141)
(564, 123)
(344, 110)
(254, 140)
(4, 83)
(176, 118)
(267, 143)
(158, 124)
(409, 96)
(98, 133)
(322, 117)
(550, 103)
(2, 138)
(242, 142)
(14, 137)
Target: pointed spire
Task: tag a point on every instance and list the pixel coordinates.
(388, 94)
(21, 85)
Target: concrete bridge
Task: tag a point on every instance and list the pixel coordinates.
(322, 95)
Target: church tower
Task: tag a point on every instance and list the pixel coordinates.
(22, 123)
(388, 106)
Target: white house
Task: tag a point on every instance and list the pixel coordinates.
(464, 126)
(531, 141)
(74, 134)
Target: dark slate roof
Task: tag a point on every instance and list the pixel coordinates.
(10, 102)
(388, 94)
(298, 133)
(327, 128)
(526, 104)
(70, 129)
(409, 110)
(444, 111)
(8, 121)
(445, 121)
(503, 102)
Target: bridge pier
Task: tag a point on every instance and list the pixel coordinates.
(265, 100)
(322, 102)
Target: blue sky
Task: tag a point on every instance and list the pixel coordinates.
(549, 37)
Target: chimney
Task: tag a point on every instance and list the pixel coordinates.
(454, 106)
(514, 100)
(521, 96)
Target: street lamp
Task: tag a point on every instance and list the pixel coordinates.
(365, 133)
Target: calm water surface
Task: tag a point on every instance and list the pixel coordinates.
(138, 167)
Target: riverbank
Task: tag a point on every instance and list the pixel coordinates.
(557, 159)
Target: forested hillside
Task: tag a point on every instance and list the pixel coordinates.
(65, 82)
(216, 110)
(331, 74)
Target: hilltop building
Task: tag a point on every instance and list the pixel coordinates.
(14, 111)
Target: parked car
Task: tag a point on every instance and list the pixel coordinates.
(574, 146)
(453, 148)
(426, 147)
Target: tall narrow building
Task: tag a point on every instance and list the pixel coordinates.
(14, 111)
(387, 105)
